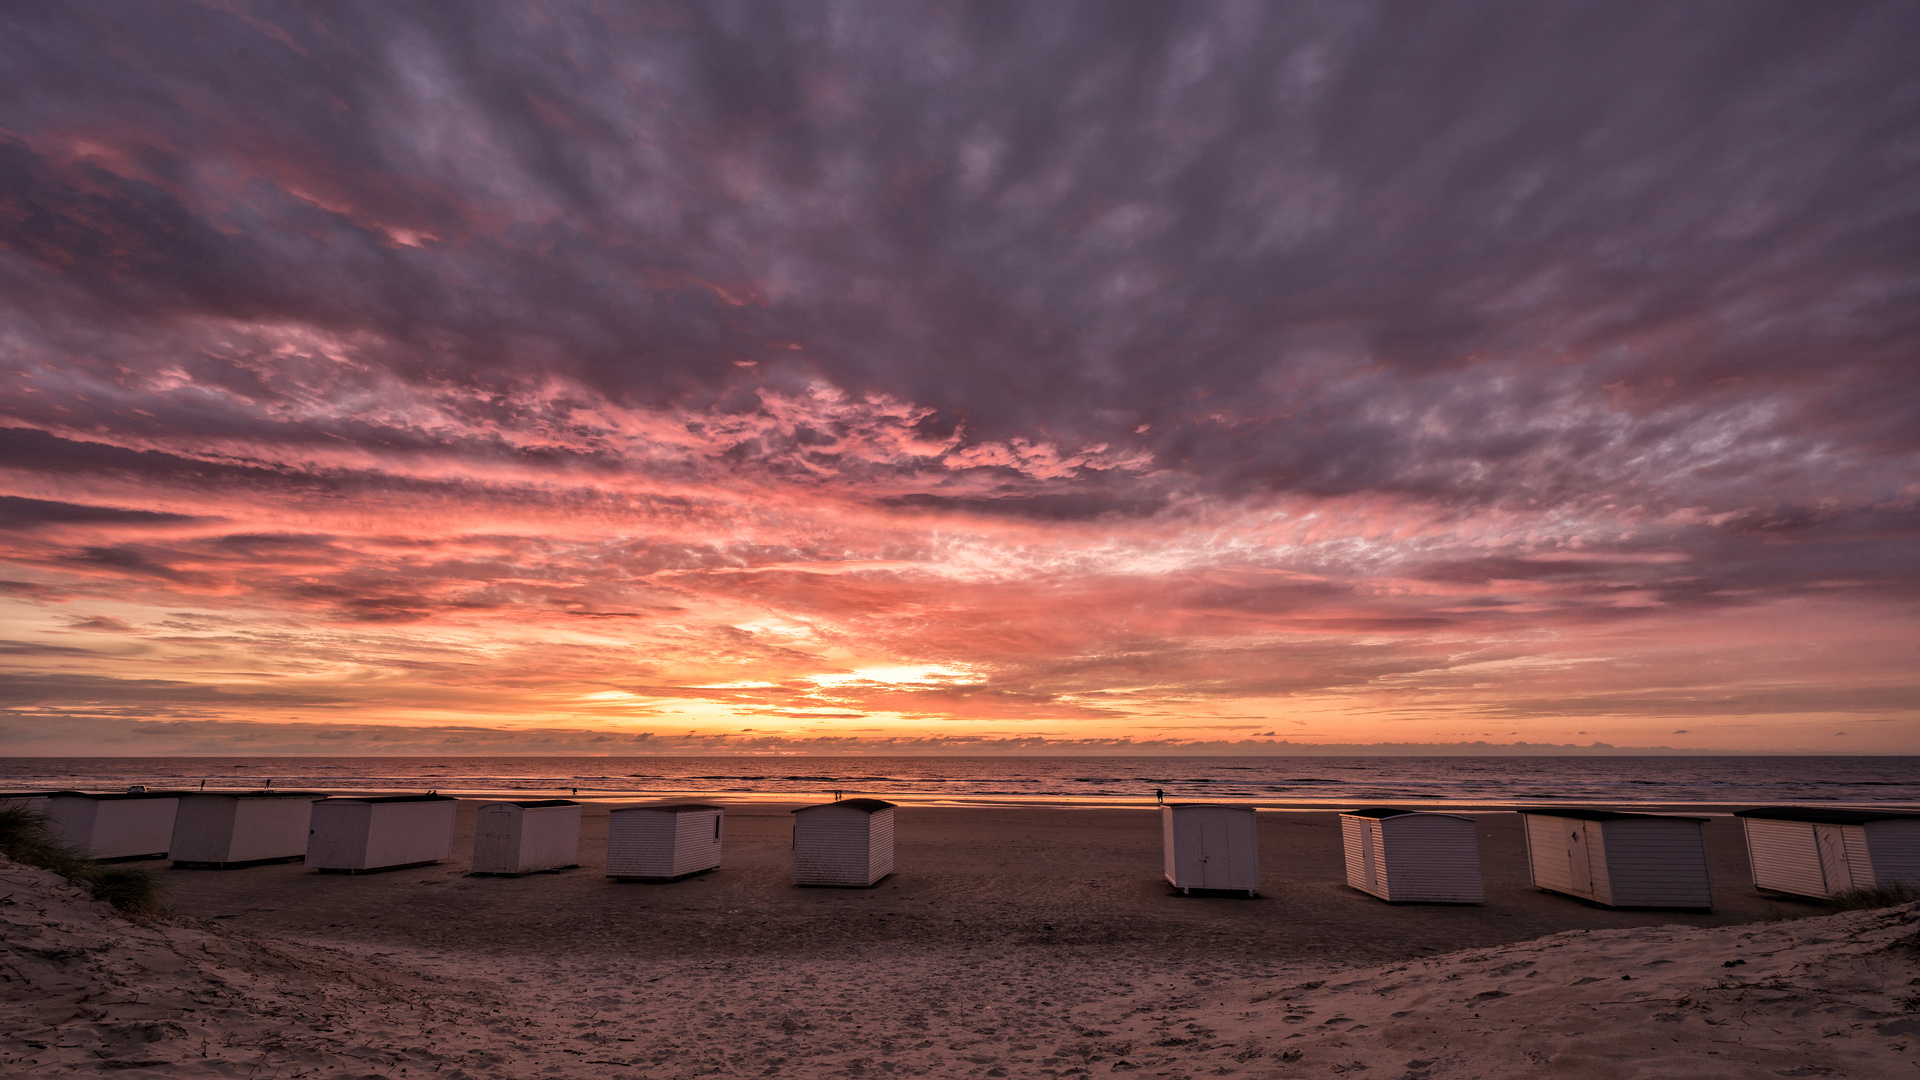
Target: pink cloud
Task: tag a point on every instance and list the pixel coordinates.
(599, 371)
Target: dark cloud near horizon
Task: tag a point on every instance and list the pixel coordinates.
(185, 737)
(1505, 252)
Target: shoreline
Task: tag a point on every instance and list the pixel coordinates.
(1467, 784)
(1055, 802)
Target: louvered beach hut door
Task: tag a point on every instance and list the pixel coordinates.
(1832, 842)
(1577, 864)
(1216, 852)
(496, 842)
(1370, 853)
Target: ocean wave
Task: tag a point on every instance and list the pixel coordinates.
(1643, 781)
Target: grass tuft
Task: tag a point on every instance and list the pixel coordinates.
(26, 838)
(1873, 896)
(1867, 899)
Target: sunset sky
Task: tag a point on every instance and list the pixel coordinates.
(1054, 377)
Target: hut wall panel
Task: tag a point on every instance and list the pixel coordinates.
(410, 832)
(1526, 835)
(1859, 859)
(1183, 848)
(496, 840)
(203, 829)
(338, 836)
(134, 827)
(1652, 863)
(1432, 859)
(696, 841)
(1783, 857)
(71, 820)
(1233, 850)
(1363, 844)
(880, 845)
(114, 828)
(1895, 850)
(1353, 841)
(1182, 835)
(549, 838)
(1604, 889)
(1373, 854)
(1547, 852)
(267, 828)
(1190, 872)
(832, 846)
(640, 844)
(1169, 846)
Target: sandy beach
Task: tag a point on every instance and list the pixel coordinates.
(1025, 941)
(968, 877)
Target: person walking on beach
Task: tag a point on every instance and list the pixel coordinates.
(1159, 797)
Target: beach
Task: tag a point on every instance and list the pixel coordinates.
(1011, 942)
(968, 877)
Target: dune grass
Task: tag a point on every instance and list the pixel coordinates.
(26, 838)
(1867, 899)
(1873, 896)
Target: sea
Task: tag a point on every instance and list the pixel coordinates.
(1086, 781)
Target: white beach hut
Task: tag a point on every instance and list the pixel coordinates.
(224, 830)
(1814, 851)
(848, 844)
(130, 825)
(526, 837)
(1412, 856)
(663, 842)
(381, 832)
(1620, 859)
(33, 802)
(1211, 846)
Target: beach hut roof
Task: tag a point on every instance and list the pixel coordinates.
(1820, 815)
(537, 803)
(1394, 811)
(1207, 805)
(115, 794)
(264, 793)
(676, 808)
(871, 806)
(1587, 814)
(391, 798)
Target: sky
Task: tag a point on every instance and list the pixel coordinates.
(965, 378)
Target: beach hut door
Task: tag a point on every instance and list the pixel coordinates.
(1832, 842)
(1216, 854)
(1578, 867)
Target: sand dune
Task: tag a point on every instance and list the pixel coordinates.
(86, 991)
(90, 993)
(1829, 996)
